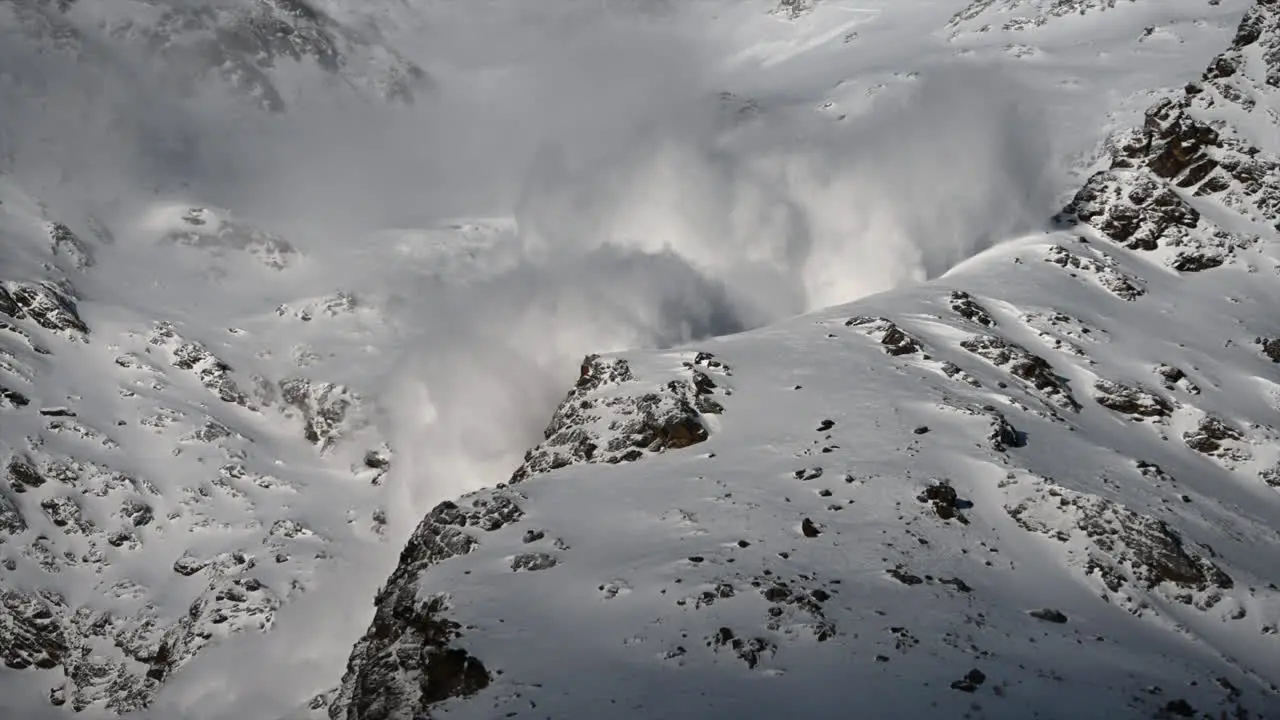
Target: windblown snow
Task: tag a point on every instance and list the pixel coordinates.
(638, 359)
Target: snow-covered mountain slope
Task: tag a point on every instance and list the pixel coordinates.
(253, 45)
(156, 497)
(1042, 485)
(199, 498)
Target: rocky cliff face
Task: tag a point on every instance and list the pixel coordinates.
(1198, 152)
(1044, 481)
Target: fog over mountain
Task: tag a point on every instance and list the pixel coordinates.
(292, 293)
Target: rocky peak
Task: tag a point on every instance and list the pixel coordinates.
(1189, 150)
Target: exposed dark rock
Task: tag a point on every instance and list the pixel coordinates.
(138, 513)
(904, 577)
(23, 474)
(667, 418)
(64, 243)
(1104, 270)
(1024, 365)
(533, 561)
(64, 512)
(1124, 546)
(1049, 615)
(213, 373)
(750, 650)
(8, 306)
(1003, 435)
(11, 520)
(1127, 400)
(944, 501)
(13, 398)
(1210, 434)
(893, 339)
(1271, 476)
(189, 565)
(1270, 348)
(51, 307)
(1174, 378)
(1137, 202)
(809, 529)
(31, 632)
(389, 672)
(324, 408)
(966, 307)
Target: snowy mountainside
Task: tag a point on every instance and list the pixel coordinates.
(157, 498)
(252, 45)
(1044, 484)
(1079, 504)
(197, 404)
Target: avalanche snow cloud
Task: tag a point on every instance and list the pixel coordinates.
(681, 233)
(646, 212)
(649, 209)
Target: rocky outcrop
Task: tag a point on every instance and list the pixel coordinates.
(323, 408)
(50, 305)
(611, 417)
(1128, 552)
(1185, 150)
(1136, 402)
(1024, 365)
(410, 659)
(968, 308)
(894, 340)
(194, 357)
(1101, 268)
(983, 15)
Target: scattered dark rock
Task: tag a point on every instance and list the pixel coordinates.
(532, 562)
(966, 307)
(946, 504)
(1133, 401)
(1024, 365)
(957, 583)
(1209, 436)
(1048, 615)
(921, 430)
(893, 339)
(809, 529)
(1003, 435)
(1126, 546)
(1270, 348)
(23, 474)
(49, 305)
(13, 398)
(904, 577)
(750, 651)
